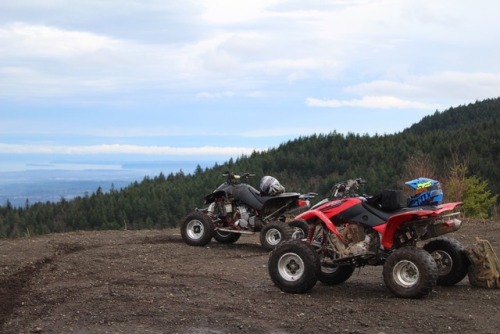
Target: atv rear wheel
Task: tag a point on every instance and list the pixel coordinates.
(274, 233)
(293, 266)
(410, 272)
(451, 260)
(197, 229)
(226, 237)
(299, 228)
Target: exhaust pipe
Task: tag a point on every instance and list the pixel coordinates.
(445, 225)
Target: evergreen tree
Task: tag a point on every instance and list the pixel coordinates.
(478, 200)
(465, 138)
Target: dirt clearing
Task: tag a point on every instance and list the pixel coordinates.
(152, 282)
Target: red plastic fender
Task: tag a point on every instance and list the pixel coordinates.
(328, 210)
(394, 222)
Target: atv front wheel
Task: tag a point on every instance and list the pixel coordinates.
(410, 272)
(451, 260)
(274, 233)
(293, 266)
(197, 229)
(226, 237)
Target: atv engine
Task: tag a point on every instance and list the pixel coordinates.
(356, 241)
(243, 218)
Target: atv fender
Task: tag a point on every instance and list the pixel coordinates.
(211, 198)
(311, 214)
(395, 222)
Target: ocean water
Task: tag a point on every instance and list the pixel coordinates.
(42, 182)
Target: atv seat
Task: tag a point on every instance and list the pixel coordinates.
(388, 200)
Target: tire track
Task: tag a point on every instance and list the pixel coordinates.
(15, 285)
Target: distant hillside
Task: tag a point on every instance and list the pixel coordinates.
(314, 163)
(471, 132)
(473, 115)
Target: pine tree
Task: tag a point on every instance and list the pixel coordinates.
(478, 200)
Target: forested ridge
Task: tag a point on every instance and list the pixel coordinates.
(469, 134)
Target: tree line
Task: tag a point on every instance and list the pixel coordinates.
(459, 146)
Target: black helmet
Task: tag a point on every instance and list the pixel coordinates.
(269, 186)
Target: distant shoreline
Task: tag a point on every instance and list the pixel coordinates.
(42, 185)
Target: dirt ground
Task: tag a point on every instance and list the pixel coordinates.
(151, 282)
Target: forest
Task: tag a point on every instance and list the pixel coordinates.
(456, 145)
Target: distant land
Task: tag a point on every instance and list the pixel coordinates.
(54, 181)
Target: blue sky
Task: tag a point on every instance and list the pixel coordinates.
(89, 81)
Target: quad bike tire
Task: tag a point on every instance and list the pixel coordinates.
(300, 228)
(197, 229)
(451, 260)
(226, 237)
(335, 275)
(274, 233)
(293, 266)
(410, 272)
(484, 269)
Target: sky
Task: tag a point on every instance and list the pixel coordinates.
(93, 82)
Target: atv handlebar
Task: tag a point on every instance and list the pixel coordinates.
(234, 178)
(308, 195)
(343, 188)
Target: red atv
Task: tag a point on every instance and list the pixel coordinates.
(348, 231)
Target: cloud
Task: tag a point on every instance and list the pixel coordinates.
(95, 68)
(42, 60)
(46, 61)
(39, 41)
(377, 102)
(227, 12)
(231, 47)
(123, 149)
(455, 86)
(207, 95)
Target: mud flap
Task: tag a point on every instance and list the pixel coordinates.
(484, 269)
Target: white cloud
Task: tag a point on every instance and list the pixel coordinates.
(227, 12)
(458, 87)
(109, 70)
(123, 149)
(33, 41)
(207, 95)
(236, 46)
(378, 102)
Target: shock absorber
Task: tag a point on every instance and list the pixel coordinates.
(310, 232)
(221, 209)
